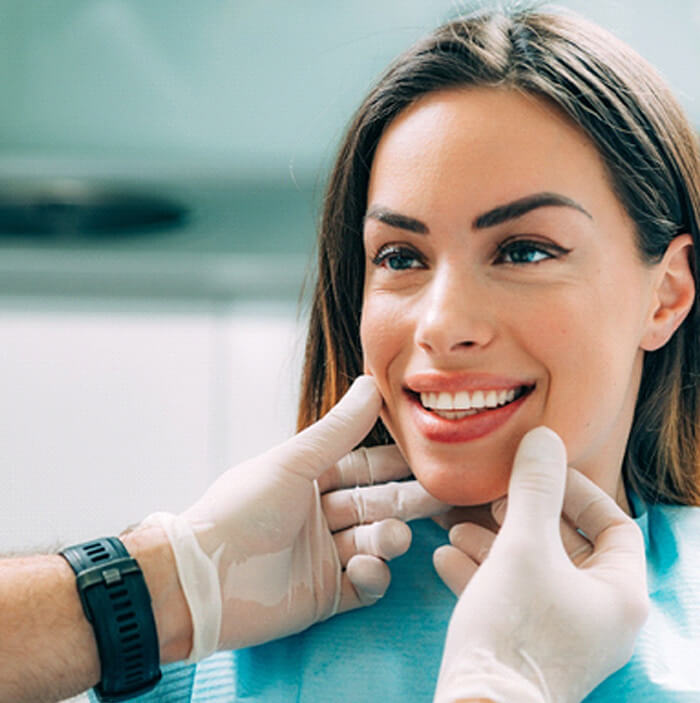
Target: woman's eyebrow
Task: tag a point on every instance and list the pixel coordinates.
(494, 217)
(394, 219)
(519, 207)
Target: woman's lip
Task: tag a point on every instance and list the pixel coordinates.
(466, 429)
(427, 381)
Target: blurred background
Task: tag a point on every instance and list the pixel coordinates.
(161, 166)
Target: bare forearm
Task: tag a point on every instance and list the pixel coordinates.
(47, 646)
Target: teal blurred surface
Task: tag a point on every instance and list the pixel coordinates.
(247, 86)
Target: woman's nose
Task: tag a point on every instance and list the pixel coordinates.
(453, 315)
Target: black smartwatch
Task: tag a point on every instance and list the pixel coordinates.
(117, 603)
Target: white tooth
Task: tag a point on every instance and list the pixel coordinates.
(464, 400)
(461, 401)
(444, 401)
(478, 399)
(455, 414)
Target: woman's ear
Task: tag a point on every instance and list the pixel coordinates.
(673, 294)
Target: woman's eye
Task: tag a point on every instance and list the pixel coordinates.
(397, 259)
(526, 252)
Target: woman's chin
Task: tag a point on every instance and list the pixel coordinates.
(456, 488)
(450, 477)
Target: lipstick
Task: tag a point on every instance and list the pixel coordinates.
(451, 408)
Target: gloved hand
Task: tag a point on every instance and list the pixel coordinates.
(530, 624)
(256, 557)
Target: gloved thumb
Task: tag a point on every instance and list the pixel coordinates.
(319, 446)
(537, 482)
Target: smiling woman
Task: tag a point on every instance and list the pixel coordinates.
(510, 239)
(504, 288)
(528, 192)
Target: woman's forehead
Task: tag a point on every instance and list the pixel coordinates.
(484, 146)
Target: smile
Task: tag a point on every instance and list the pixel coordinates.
(455, 406)
(459, 415)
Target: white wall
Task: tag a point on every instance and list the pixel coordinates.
(109, 412)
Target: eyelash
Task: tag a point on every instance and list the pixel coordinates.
(512, 245)
(390, 252)
(385, 254)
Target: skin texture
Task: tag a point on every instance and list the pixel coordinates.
(571, 313)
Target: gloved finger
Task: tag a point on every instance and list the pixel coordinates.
(617, 540)
(313, 450)
(575, 544)
(365, 467)
(498, 509)
(405, 500)
(386, 539)
(363, 583)
(474, 540)
(454, 567)
(536, 488)
(588, 507)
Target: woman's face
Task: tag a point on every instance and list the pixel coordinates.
(503, 290)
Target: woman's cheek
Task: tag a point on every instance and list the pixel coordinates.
(376, 337)
(384, 336)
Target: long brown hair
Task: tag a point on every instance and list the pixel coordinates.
(652, 157)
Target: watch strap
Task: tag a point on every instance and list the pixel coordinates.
(117, 603)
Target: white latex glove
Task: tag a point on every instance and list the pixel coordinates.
(255, 555)
(530, 624)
